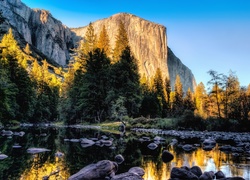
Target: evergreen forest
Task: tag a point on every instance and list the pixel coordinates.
(103, 84)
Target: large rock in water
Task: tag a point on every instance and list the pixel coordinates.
(100, 170)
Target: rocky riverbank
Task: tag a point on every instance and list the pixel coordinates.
(105, 170)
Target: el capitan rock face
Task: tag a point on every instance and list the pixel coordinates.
(49, 36)
(148, 42)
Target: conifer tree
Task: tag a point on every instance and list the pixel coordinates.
(15, 64)
(216, 82)
(178, 97)
(231, 93)
(11, 48)
(25, 92)
(103, 41)
(92, 92)
(27, 49)
(88, 44)
(188, 101)
(89, 39)
(167, 88)
(159, 90)
(126, 82)
(8, 92)
(121, 41)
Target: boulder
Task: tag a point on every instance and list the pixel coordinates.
(196, 170)
(167, 156)
(100, 170)
(137, 170)
(127, 176)
(3, 156)
(36, 150)
(188, 147)
(86, 142)
(206, 176)
(182, 173)
(152, 146)
(219, 174)
(6, 133)
(106, 142)
(119, 159)
(209, 144)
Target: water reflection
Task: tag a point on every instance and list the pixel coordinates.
(54, 169)
(207, 160)
(21, 165)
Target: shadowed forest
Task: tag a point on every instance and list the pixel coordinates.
(103, 84)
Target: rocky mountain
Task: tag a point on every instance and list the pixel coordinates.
(148, 41)
(49, 37)
(39, 29)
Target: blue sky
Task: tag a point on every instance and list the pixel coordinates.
(204, 34)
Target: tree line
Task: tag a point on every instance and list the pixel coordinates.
(104, 84)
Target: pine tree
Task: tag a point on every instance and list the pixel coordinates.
(167, 88)
(91, 102)
(231, 93)
(25, 92)
(216, 82)
(8, 92)
(121, 42)
(103, 41)
(89, 39)
(27, 49)
(126, 82)
(178, 97)
(188, 101)
(159, 90)
(88, 44)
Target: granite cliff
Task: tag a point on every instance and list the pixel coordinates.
(39, 29)
(148, 43)
(53, 40)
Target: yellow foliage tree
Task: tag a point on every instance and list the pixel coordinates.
(103, 41)
(10, 47)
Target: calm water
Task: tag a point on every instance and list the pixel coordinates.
(21, 165)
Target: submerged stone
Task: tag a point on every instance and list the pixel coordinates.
(3, 156)
(37, 150)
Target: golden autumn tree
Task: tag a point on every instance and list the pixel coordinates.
(103, 41)
(121, 41)
(200, 100)
(10, 47)
(27, 49)
(88, 44)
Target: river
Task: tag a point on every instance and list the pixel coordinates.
(26, 166)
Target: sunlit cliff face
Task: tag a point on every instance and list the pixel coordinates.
(54, 169)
